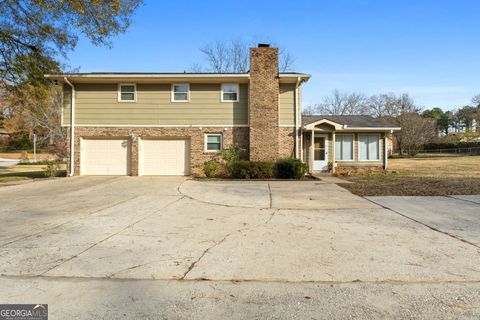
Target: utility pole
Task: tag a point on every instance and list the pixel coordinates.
(34, 147)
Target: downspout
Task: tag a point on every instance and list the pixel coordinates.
(72, 128)
(296, 118)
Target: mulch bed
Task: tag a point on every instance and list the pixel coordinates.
(397, 185)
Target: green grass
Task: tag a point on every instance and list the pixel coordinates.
(24, 172)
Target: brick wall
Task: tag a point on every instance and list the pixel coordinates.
(236, 135)
(286, 142)
(263, 104)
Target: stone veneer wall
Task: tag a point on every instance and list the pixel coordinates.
(263, 99)
(235, 135)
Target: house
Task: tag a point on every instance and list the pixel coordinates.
(346, 142)
(172, 123)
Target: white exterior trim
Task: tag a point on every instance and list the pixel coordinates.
(205, 141)
(167, 75)
(162, 126)
(119, 92)
(229, 84)
(172, 95)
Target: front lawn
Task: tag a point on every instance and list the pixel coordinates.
(23, 172)
(420, 177)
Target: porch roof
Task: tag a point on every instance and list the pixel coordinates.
(348, 122)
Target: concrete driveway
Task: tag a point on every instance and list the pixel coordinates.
(134, 246)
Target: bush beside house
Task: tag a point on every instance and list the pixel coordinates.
(232, 164)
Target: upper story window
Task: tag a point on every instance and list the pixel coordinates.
(369, 147)
(180, 92)
(344, 147)
(229, 92)
(127, 92)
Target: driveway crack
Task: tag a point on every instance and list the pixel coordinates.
(110, 236)
(216, 244)
(270, 194)
(192, 265)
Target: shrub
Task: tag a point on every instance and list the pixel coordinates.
(50, 170)
(20, 142)
(244, 169)
(232, 154)
(290, 168)
(210, 168)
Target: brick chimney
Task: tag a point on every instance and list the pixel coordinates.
(263, 103)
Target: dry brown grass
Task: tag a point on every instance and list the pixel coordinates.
(446, 167)
(421, 177)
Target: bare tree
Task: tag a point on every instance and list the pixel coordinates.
(37, 109)
(390, 105)
(233, 56)
(309, 110)
(476, 100)
(416, 131)
(342, 104)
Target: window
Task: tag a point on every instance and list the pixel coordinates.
(180, 92)
(369, 146)
(229, 92)
(344, 147)
(213, 142)
(127, 92)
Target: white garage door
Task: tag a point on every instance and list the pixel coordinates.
(164, 157)
(105, 157)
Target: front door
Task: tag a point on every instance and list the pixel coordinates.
(320, 159)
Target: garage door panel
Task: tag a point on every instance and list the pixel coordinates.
(105, 157)
(164, 157)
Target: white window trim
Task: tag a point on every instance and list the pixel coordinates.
(119, 93)
(205, 149)
(353, 147)
(229, 84)
(379, 146)
(172, 95)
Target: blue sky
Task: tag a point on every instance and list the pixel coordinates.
(428, 48)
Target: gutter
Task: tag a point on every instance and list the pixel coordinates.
(72, 128)
(299, 81)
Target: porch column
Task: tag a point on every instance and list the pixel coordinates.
(333, 152)
(385, 151)
(312, 150)
(301, 145)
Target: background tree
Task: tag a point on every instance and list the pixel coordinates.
(442, 119)
(341, 103)
(476, 100)
(466, 116)
(416, 131)
(233, 57)
(49, 28)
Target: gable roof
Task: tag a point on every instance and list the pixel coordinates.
(349, 121)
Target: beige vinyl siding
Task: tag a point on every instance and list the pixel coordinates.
(286, 105)
(97, 104)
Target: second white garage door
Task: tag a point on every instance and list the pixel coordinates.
(164, 157)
